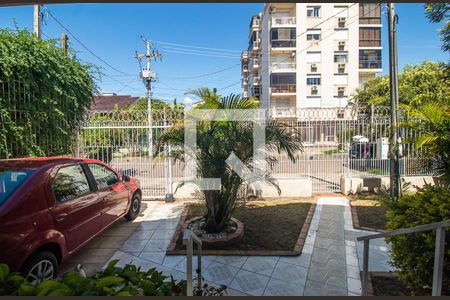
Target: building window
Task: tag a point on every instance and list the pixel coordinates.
(313, 57)
(313, 80)
(370, 59)
(283, 82)
(369, 37)
(340, 57)
(313, 35)
(283, 37)
(313, 11)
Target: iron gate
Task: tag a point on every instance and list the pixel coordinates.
(330, 151)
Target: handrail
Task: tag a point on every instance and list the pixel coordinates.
(188, 239)
(438, 252)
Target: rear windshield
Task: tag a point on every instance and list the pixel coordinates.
(10, 180)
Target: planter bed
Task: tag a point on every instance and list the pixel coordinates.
(271, 227)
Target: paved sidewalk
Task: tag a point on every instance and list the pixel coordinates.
(329, 264)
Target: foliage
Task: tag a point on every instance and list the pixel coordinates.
(113, 281)
(43, 94)
(413, 254)
(417, 84)
(438, 12)
(217, 140)
(157, 104)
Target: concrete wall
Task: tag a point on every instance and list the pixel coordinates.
(290, 187)
(355, 185)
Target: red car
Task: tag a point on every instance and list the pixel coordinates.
(51, 207)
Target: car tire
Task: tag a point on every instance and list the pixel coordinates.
(40, 266)
(135, 207)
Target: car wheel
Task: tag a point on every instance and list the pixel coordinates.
(135, 207)
(40, 267)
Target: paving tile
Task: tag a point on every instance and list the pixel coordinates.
(107, 242)
(172, 260)
(314, 288)
(141, 235)
(303, 260)
(290, 273)
(354, 285)
(331, 274)
(276, 287)
(220, 273)
(171, 225)
(235, 261)
(249, 283)
(353, 272)
(148, 225)
(125, 258)
(92, 256)
(260, 264)
(153, 256)
(182, 265)
(133, 245)
(119, 231)
(161, 234)
(156, 245)
(308, 248)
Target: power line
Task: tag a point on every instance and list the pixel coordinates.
(208, 74)
(197, 47)
(83, 45)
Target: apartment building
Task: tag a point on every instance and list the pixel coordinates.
(307, 55)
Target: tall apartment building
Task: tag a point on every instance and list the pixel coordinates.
(306, 55)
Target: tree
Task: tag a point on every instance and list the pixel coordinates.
(43, 95)
(216, 140)
(436, 13)
(417, 84)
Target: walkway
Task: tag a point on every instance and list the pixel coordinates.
(329, 264)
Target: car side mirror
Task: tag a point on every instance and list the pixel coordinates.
(126, 178)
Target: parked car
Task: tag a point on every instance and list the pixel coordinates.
(51, 207)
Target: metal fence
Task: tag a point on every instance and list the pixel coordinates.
(336, 142)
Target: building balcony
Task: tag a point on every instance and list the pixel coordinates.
(244, 56)
(255, 64)
(370, 64)
(291, 43)
(244, 70)
(283, 89)
(283, 22)
(283, 67)
(370, 20)
(244, 83)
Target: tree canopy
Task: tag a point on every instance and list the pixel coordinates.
(43, 94)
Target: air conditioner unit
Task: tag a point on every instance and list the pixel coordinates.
(341, 22)
(340, 113)
(314, 88)
(341, 45)
(341, 68)
(313, 67)
(341, 89)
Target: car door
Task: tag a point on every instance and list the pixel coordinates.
(113, 193)
(77, 210)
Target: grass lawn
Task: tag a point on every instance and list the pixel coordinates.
(371, 212)
(268, 224)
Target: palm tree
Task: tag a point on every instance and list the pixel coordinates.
(216, 140)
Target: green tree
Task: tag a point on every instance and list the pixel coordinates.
(216, 140)
(436, 13)
(417, 84)
(43, 95)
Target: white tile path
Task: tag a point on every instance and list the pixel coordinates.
(329, 264)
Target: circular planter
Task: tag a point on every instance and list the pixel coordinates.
(229, 239)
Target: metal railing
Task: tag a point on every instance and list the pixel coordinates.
(438, 252)
(283, 88)
(369, 42)
(284, 66)
(188, 239)
(283, 43)
(370, 63)
(283, 21)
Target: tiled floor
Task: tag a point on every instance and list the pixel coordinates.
(329, 264)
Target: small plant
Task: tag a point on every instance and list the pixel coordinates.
(112, 281)
(413, 254)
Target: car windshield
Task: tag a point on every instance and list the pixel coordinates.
(10, 180)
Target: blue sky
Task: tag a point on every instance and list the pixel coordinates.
(113, 32)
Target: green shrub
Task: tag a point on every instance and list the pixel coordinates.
(112, 281)
(413, 254)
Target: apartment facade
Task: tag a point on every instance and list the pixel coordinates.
(307, 55)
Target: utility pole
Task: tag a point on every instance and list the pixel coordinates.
(37, 26)
(395, 188)
(64, 45)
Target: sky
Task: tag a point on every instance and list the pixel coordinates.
(194, 39)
